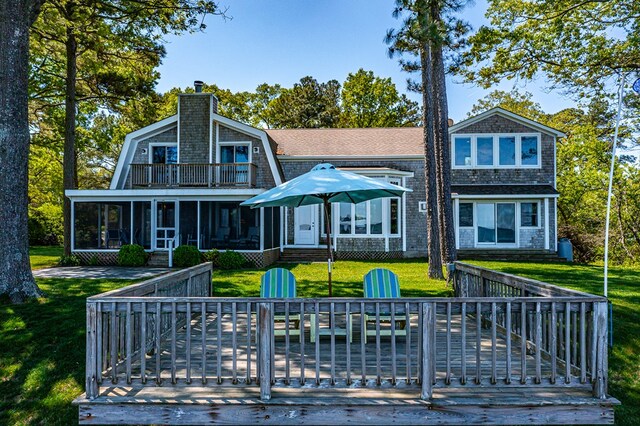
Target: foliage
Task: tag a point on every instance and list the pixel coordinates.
(230, 259)
(577, 45)
(132, 255)
(370, 101)
(45, 225)
(185, 256)
(308, 104)
(69, 260)
(212, 256)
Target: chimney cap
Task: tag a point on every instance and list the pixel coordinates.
(198, 86)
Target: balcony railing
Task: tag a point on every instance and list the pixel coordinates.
(193, 175)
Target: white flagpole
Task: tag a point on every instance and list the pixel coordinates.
(613, 161)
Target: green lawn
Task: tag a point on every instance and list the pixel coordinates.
(624, 293)
(44, 256)
(347, 279)
(43, 352)
(42, 342)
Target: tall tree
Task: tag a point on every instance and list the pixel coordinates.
(430, 27)
(371, 101)
(16, 279)
(308, 104)
(100, 53)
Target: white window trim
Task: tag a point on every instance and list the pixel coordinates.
(538, 212)
(496, 150)
(154, 144)
(234, 143)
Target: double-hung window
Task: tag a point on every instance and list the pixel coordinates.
(495, 151)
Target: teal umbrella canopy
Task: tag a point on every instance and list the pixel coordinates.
(325, 183)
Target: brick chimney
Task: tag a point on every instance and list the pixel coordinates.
(195, 136)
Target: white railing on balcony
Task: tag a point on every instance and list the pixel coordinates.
(193, 175)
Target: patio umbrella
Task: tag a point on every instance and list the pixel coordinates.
(325, 184)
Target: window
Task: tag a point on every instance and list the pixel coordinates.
(462, 151)
(375, 216)
(164, 154)
(234, 154)
(361, 218)
(345, 218)
(465, 214)
(485, 150)
(529, 214)
(394, 216)
(499, 151)
(507, 151)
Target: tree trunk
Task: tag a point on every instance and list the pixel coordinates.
(16, 280)
(443, 150)
(70, 177)
(433, 236)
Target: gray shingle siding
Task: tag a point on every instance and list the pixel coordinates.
(195, 122)
(142, 151)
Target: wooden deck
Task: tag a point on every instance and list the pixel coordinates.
(511, 352)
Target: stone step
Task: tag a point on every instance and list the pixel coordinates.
(159, 259)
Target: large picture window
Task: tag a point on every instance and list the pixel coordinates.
(496, 151)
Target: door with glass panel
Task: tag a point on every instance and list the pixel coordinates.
(164, 169)
(165, 215)
(235, 164)
(496, 223)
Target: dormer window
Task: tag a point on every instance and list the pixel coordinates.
(164, 154)
(236, 153)
(495, 151)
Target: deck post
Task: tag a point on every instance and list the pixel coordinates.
(428, 328)
(601, 374)
(91, 384)
(265, 332)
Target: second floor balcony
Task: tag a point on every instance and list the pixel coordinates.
(193, 175)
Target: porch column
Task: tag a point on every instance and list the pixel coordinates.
(547, 228)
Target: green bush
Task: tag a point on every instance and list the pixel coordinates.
(45, 225)
(212, 256)
(132, 255)
(185, 256)
(69, 261)
(231, 260)
(93, 261)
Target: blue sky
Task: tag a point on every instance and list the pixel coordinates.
(280, 41)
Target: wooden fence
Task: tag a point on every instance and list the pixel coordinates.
(507, 331)
(194, 175)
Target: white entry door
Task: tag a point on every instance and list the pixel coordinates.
(305, 219)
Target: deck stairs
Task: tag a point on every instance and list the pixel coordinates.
(303, 255)
(520, 255)
(158, 259)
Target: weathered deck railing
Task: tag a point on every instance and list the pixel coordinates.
(194, 175)
(485, 340)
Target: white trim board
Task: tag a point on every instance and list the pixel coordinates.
(504, 196)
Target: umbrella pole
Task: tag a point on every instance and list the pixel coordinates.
(328, 225)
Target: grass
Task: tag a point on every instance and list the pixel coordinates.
(44, 256)
(42, 359)
(347, 277)
(624, 293)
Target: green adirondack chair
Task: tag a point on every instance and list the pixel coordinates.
(382, 283)
(280, 283)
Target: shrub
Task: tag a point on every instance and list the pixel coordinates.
(185, 256)
(69, 261)
(94, 261)
(45, 225)
(212, 256)
(132, 255)
(231, 260)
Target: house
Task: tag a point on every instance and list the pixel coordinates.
(181, 181)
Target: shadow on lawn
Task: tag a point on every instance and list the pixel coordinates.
(42, 362)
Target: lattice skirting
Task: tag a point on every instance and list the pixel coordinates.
(368, 255)
(262, 259)
(99, 258)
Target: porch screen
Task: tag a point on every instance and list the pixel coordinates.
(102, 225)
(271, 227)
(142, 223)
